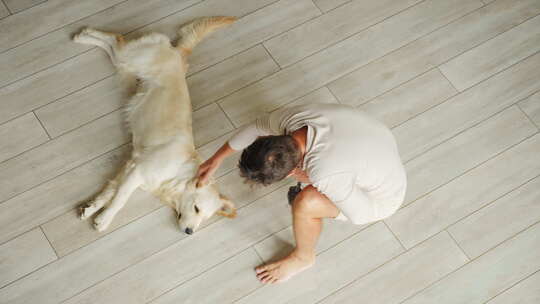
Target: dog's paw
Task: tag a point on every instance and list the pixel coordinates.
(102, 222)
(87, 211)
(84, 36)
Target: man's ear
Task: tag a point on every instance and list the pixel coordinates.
(227, 209)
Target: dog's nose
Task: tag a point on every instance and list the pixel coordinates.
(189, 230)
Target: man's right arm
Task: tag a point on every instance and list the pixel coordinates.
(209, 167)
(239, 141)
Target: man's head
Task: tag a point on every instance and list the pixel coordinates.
(269, 159)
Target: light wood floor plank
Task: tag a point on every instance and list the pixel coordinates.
(410, 99)
(318, 69)
(223, 284)
(230, 75)
(322, 95)
(371, 247)
(23, 255)
(494, 55)
(531, 107)
(407, 274)
(209, 123)
(16, 6)
(468, 193)
(81, 107)
(56, 46)
(327, 5)
(54, 83)
(188, 258)
(330, 28)
(432, 50)
(502, 219)
(468, 108)
(53, 14)
(12, 141)
(488, 275)
(465, 151)
(59, 155)
(57, 196)
(525, 292)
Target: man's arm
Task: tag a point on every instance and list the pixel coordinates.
(209, 167)
(244, 137)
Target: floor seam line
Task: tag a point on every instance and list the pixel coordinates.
(446, 77)
(527, 115)
(50, 244)
(457, 244)
(42, 126)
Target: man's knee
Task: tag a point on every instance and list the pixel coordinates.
(307, 201)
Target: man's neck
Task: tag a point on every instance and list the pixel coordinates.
(300, 137)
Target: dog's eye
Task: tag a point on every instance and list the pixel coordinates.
(196, 209)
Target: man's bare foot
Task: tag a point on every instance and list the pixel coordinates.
(284, 269)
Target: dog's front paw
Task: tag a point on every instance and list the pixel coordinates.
(84, 36)
(87, 211)
(102, 221)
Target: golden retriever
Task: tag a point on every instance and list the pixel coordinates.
(164, 160)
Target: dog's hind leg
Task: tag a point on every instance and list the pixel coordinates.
(129, 184)
(109, 42)
(112, 44)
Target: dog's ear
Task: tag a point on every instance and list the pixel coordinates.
(227, 209)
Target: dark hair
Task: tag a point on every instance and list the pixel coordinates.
(269, 159)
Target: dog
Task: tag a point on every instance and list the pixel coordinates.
(159, 116)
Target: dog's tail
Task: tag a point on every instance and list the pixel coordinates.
(192, 33)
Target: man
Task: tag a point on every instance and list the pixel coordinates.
(349, 162)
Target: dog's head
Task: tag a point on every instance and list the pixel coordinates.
(197, 204)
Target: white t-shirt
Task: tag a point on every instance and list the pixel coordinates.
(350, 157)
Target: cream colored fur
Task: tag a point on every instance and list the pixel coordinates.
(159, 114)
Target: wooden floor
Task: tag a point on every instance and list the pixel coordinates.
(457, 80)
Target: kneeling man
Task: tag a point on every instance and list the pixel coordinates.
(348, 160)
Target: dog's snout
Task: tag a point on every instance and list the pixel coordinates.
(189, 230)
